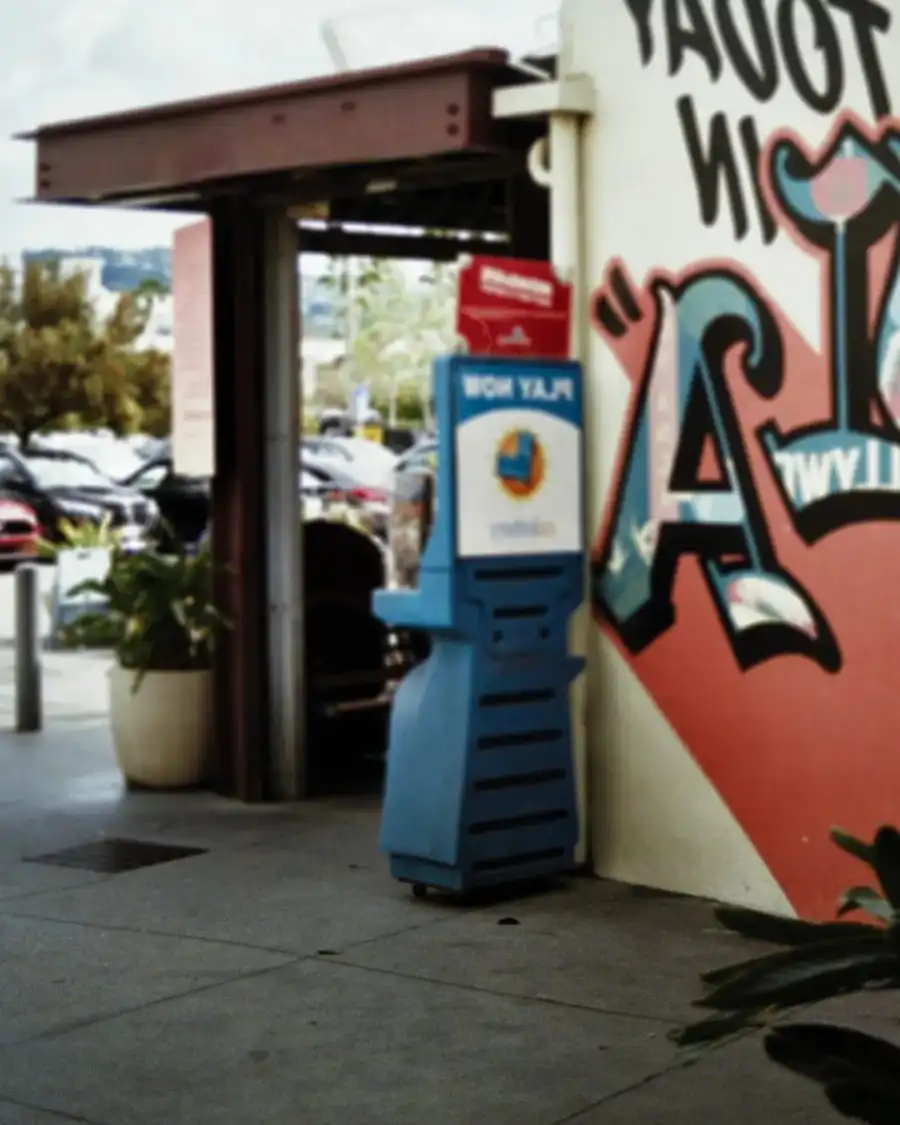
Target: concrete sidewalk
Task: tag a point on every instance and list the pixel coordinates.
(74, 687)
(282, 978)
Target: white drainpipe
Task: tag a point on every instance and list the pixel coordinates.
(566, 104)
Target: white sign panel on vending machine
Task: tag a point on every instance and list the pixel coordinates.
(193, 430)
(519, 468)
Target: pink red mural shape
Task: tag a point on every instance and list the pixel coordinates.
(748, 561)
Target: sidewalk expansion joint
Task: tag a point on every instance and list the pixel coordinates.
(115, 927)
(96, 881)
(62, 1114)
(648, 1079)
(293, 954)
(104, 1017)
(340, 959)
(678, 1063)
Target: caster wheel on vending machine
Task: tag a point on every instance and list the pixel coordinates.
(419, 890)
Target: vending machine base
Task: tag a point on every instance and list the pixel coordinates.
(480, 784)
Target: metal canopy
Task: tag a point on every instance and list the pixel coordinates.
(424, 127)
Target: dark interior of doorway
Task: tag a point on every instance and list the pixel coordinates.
(350, 657)
(352, 660)
(344, 659)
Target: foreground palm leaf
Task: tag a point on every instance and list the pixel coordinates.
(859, 1073)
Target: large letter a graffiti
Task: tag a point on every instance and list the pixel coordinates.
(667, 506)
(686, 483)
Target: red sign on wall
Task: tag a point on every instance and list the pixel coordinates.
(513, 307)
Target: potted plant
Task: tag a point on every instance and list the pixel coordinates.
(85, 535)
(160, 615)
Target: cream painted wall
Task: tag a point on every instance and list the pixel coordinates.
(656, 818)
(657, 821)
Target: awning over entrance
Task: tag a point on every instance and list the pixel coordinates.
(353, 139)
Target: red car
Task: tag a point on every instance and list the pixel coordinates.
(19, 531)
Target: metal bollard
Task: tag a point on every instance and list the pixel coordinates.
(28, 661)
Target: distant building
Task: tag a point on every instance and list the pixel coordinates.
(122, 271)
(110, 272)
(158, 333)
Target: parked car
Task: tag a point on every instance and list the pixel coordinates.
(183, 501)
(19, 531)
(339, 482)
(113, 456)
(148, 448)
(314, 494)
(420, 458)
(59, 485)
(372, 463)
(399, 439)
(343, 423)
(338, 422)
(330, 445)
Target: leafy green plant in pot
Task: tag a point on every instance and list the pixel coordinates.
(859, 1073)
(161, 616)
(100, 633)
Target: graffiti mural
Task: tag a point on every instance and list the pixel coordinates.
(766, 53)
(687, 485)
(745, 214)
(843, 205)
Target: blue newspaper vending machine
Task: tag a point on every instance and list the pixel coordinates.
(480, 787)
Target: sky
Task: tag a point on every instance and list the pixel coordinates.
(64, 59)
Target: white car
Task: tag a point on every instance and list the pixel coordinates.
(114, 457)
(372, 463)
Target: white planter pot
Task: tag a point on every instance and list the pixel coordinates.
(162, 733)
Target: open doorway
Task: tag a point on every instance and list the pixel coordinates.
(391, 277)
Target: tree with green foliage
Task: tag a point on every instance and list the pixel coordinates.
(148, 377)
(61, 366)
(152, 287)
(143, 374)
(395, 324)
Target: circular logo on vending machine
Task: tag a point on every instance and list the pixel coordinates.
(520, 464)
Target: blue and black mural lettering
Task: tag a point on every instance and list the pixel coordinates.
(809, 45)
(843, 206)
(846, 469)
(666, 507)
